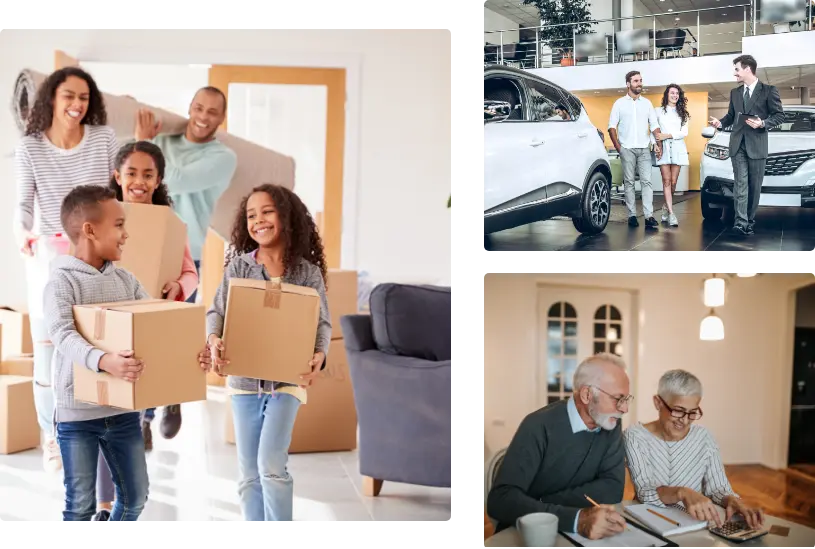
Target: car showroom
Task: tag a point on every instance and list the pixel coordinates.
(719, 156)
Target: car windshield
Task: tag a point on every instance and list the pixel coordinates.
(795, 121)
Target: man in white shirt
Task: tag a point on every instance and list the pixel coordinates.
(628, 127)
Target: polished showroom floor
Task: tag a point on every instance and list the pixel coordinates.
(193, 477)
(783, 229)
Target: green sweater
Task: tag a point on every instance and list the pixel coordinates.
(549, 469)
(196, 175)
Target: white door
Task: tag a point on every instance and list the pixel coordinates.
(574, 324)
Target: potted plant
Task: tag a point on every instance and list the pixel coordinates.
(563, 12)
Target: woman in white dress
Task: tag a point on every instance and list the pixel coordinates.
(671, 152)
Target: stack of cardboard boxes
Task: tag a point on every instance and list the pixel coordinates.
(328, 421)
(18, 418)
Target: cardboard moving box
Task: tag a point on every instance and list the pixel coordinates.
(328, 420)
(16, 331)
(270, 329)
(166, 335)
(17, 366)
(342, 297)
(19, 429)
(155, 246)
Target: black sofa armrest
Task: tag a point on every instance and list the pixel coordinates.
(358, 332)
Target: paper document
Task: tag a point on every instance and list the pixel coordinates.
(663, 527)
(633, 537)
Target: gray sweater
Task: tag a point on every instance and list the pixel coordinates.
(74, 282)
(548, 469)
(303, 274)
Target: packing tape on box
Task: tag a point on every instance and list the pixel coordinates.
(99, 324)
(272, 297)
(102, 393)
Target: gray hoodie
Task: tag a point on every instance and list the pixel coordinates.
(74, 282)
(304, 273)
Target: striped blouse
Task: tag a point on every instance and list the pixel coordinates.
(693, 462)
(46, 174)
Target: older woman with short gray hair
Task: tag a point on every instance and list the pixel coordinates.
(675, 462)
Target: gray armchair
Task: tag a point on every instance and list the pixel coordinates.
(399, 358)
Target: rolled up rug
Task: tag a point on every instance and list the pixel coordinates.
(256, 164)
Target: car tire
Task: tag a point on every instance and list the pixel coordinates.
(709, 212)
(595, 206)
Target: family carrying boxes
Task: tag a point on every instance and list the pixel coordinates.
(166, 335)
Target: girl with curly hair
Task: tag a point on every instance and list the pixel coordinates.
(274, 238)
(671, 151)
(66, 144)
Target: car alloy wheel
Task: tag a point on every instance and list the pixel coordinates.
(599, 202)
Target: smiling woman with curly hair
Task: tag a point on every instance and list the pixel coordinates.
(671, 151)
(66, 144)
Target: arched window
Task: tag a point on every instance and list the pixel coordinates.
(608, 330)
(561, 350)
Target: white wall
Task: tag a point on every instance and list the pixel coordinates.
(402, 175)
(747, 367)
(496, 22)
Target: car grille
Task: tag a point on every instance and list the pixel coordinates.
(787, 163)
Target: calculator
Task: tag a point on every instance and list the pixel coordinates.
(737, 530)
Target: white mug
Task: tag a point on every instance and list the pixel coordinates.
(538, 529)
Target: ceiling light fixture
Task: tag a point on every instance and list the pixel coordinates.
(612, 334)
(714, 292)
(677, 19)
(746, 275)
(711, 328)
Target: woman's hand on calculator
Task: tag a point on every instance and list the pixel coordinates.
(753, 516)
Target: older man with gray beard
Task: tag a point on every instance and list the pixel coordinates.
(567, 451)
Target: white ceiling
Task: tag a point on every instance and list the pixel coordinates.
(725, 14)
(514, 10)
(784, 79)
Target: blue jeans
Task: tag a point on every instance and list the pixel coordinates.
(120, 440)
(150, 413)
(263, 427)
(43, 393)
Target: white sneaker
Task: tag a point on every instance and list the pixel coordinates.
(51, 457)
(664, 213)
(673, 221)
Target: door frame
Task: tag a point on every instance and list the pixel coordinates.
(633, 330)
(221, 55)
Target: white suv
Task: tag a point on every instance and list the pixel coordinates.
(542, 155)
(789, 176)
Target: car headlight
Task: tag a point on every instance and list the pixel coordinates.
(718, 152)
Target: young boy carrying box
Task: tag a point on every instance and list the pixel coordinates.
(95, 222)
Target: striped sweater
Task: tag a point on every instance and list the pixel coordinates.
(45, 174)
(693, 462)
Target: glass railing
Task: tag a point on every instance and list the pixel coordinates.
(655, 36)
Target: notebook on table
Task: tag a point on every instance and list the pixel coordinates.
(678, 521)
(633, 536)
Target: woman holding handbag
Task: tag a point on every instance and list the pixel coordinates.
(671, 152)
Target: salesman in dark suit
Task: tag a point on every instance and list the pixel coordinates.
(748, 140)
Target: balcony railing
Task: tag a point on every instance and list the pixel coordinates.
(634, 44)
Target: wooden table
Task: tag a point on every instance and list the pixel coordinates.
(799, 536)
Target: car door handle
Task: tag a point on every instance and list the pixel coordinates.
(582, 134)
(537, 143)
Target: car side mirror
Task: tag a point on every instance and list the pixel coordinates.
(496, 111)
(709, 132)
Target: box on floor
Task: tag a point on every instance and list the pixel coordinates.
(166, 335)
(328, 421)
(17, 366)
(341, 296)
(19, 429)
(16, 332)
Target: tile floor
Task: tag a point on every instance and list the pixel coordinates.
(193, 477)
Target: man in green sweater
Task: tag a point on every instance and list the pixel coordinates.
(199, 169)
(567, 451)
